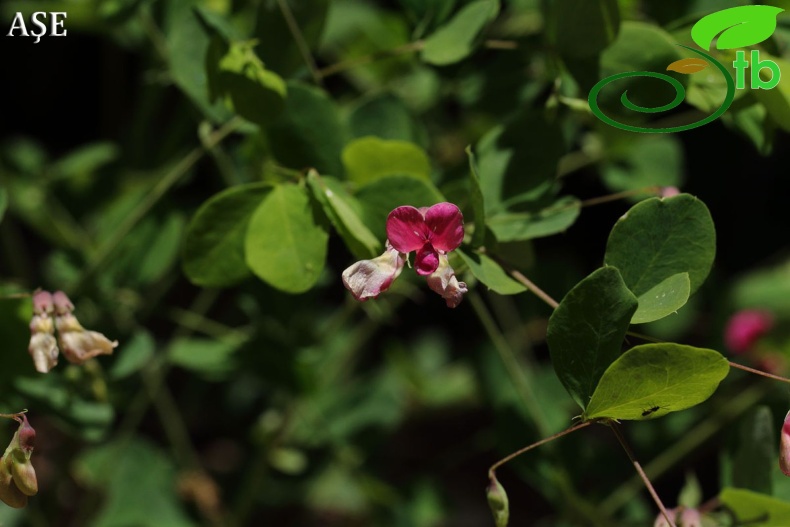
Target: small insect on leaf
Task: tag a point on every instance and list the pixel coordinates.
(688, 66)
(650, 411)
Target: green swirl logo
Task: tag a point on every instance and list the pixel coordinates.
(737, 27)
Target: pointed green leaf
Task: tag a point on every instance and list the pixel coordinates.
(213, 253)
(476, 199)
(491, 274)
(308, 133)
(753, 508)
(456, 40)
(286, 244)
(344, 211)
(586, 331)
(520, 226)
(658, 238)
(582, 28)
(755, 460)
(380, 197)
(663, 299)
(739, 26)
(651, 380)
(370, 158)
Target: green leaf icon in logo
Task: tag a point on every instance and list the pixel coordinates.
(739, 26)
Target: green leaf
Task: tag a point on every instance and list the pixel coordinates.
(520, 226)
(586, 331)
(581, 28)
(308, 133)
(664, 299)
(3, 202)
(757, 509)
(755, 460)
(237, 75)
(136, 354)
(777, 99)
(518, 161)
(658, 238)
(767, 288)
(213, 253)
(162, 251)
(491, 274)
(651, 380)
(386, 116)
(691, 494)
(87, 159)
(456, 40)
(741, 26)
(286, 244)
(476, 199)
(380, 197)
(138, 482)
(344, 211)
(213, 359)
(370, 158)
(643, 161)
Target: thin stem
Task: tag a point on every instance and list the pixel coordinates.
(153, 197)
(301, 43)
(500, 44)
(334, 69)
(641, 472)
(653, 189)
(759, 372)
(14, 296)
(517, 453)
(537, 291)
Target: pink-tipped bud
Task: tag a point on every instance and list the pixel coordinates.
(690, 518)
(42, 303)
(661, 520)
(784, 446)
(62, 303)
(26, 435)
(498, 502)
(668, 192)
(745, 327)
(444, 282)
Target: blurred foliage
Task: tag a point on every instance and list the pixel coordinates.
(196, 174)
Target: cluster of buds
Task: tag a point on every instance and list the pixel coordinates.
(431, 232)
(17, 475)
(77, 344)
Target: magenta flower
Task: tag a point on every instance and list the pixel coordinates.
(784, 446)
(428, 231)
(745, 327)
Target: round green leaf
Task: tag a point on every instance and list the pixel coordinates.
(491, 274)
(652, 380)
(370, 158)
(213, 252)
(456, 40)
(285, 245)
(658, 238)
(753, 507)
(662, 300)
(586, 331)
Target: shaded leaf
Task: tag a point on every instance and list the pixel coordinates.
(586, 331)
(754, 508)
(476, 200)
(663, 299)
(754, 462)
(520, 226)
(739, 26)
(688, 66)
(651, 380)
(3, 202)
(386, 116)
(213, 253)
(137, 351)
(286, 245)
(491, 274)
(582, 28)
(278, 48)
(212, 359)
(646, 160)
(456, 40)
(777, 99)
(370, 158)
(344, 211)
(658, 238)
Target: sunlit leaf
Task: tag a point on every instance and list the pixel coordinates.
(491, 274)
(663, 299)
(520, 226)
(370, 158)
(456, 40)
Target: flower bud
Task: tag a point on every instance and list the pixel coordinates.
(23, 473)
(42, 303)
(77, 344)
(9, 492)
(43, 347)
(444, 282)
(690, 518)
(784, 446)
(745, 328)
(497, 501)
(26, 435)
(661, 520)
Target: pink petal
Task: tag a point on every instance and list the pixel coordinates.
(446, 223)
(406, 229)
(369, 278)
(784, 446)
(444, 282)
(427, 260)
(745, 328)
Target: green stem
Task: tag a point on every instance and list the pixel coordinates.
(301, 43)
